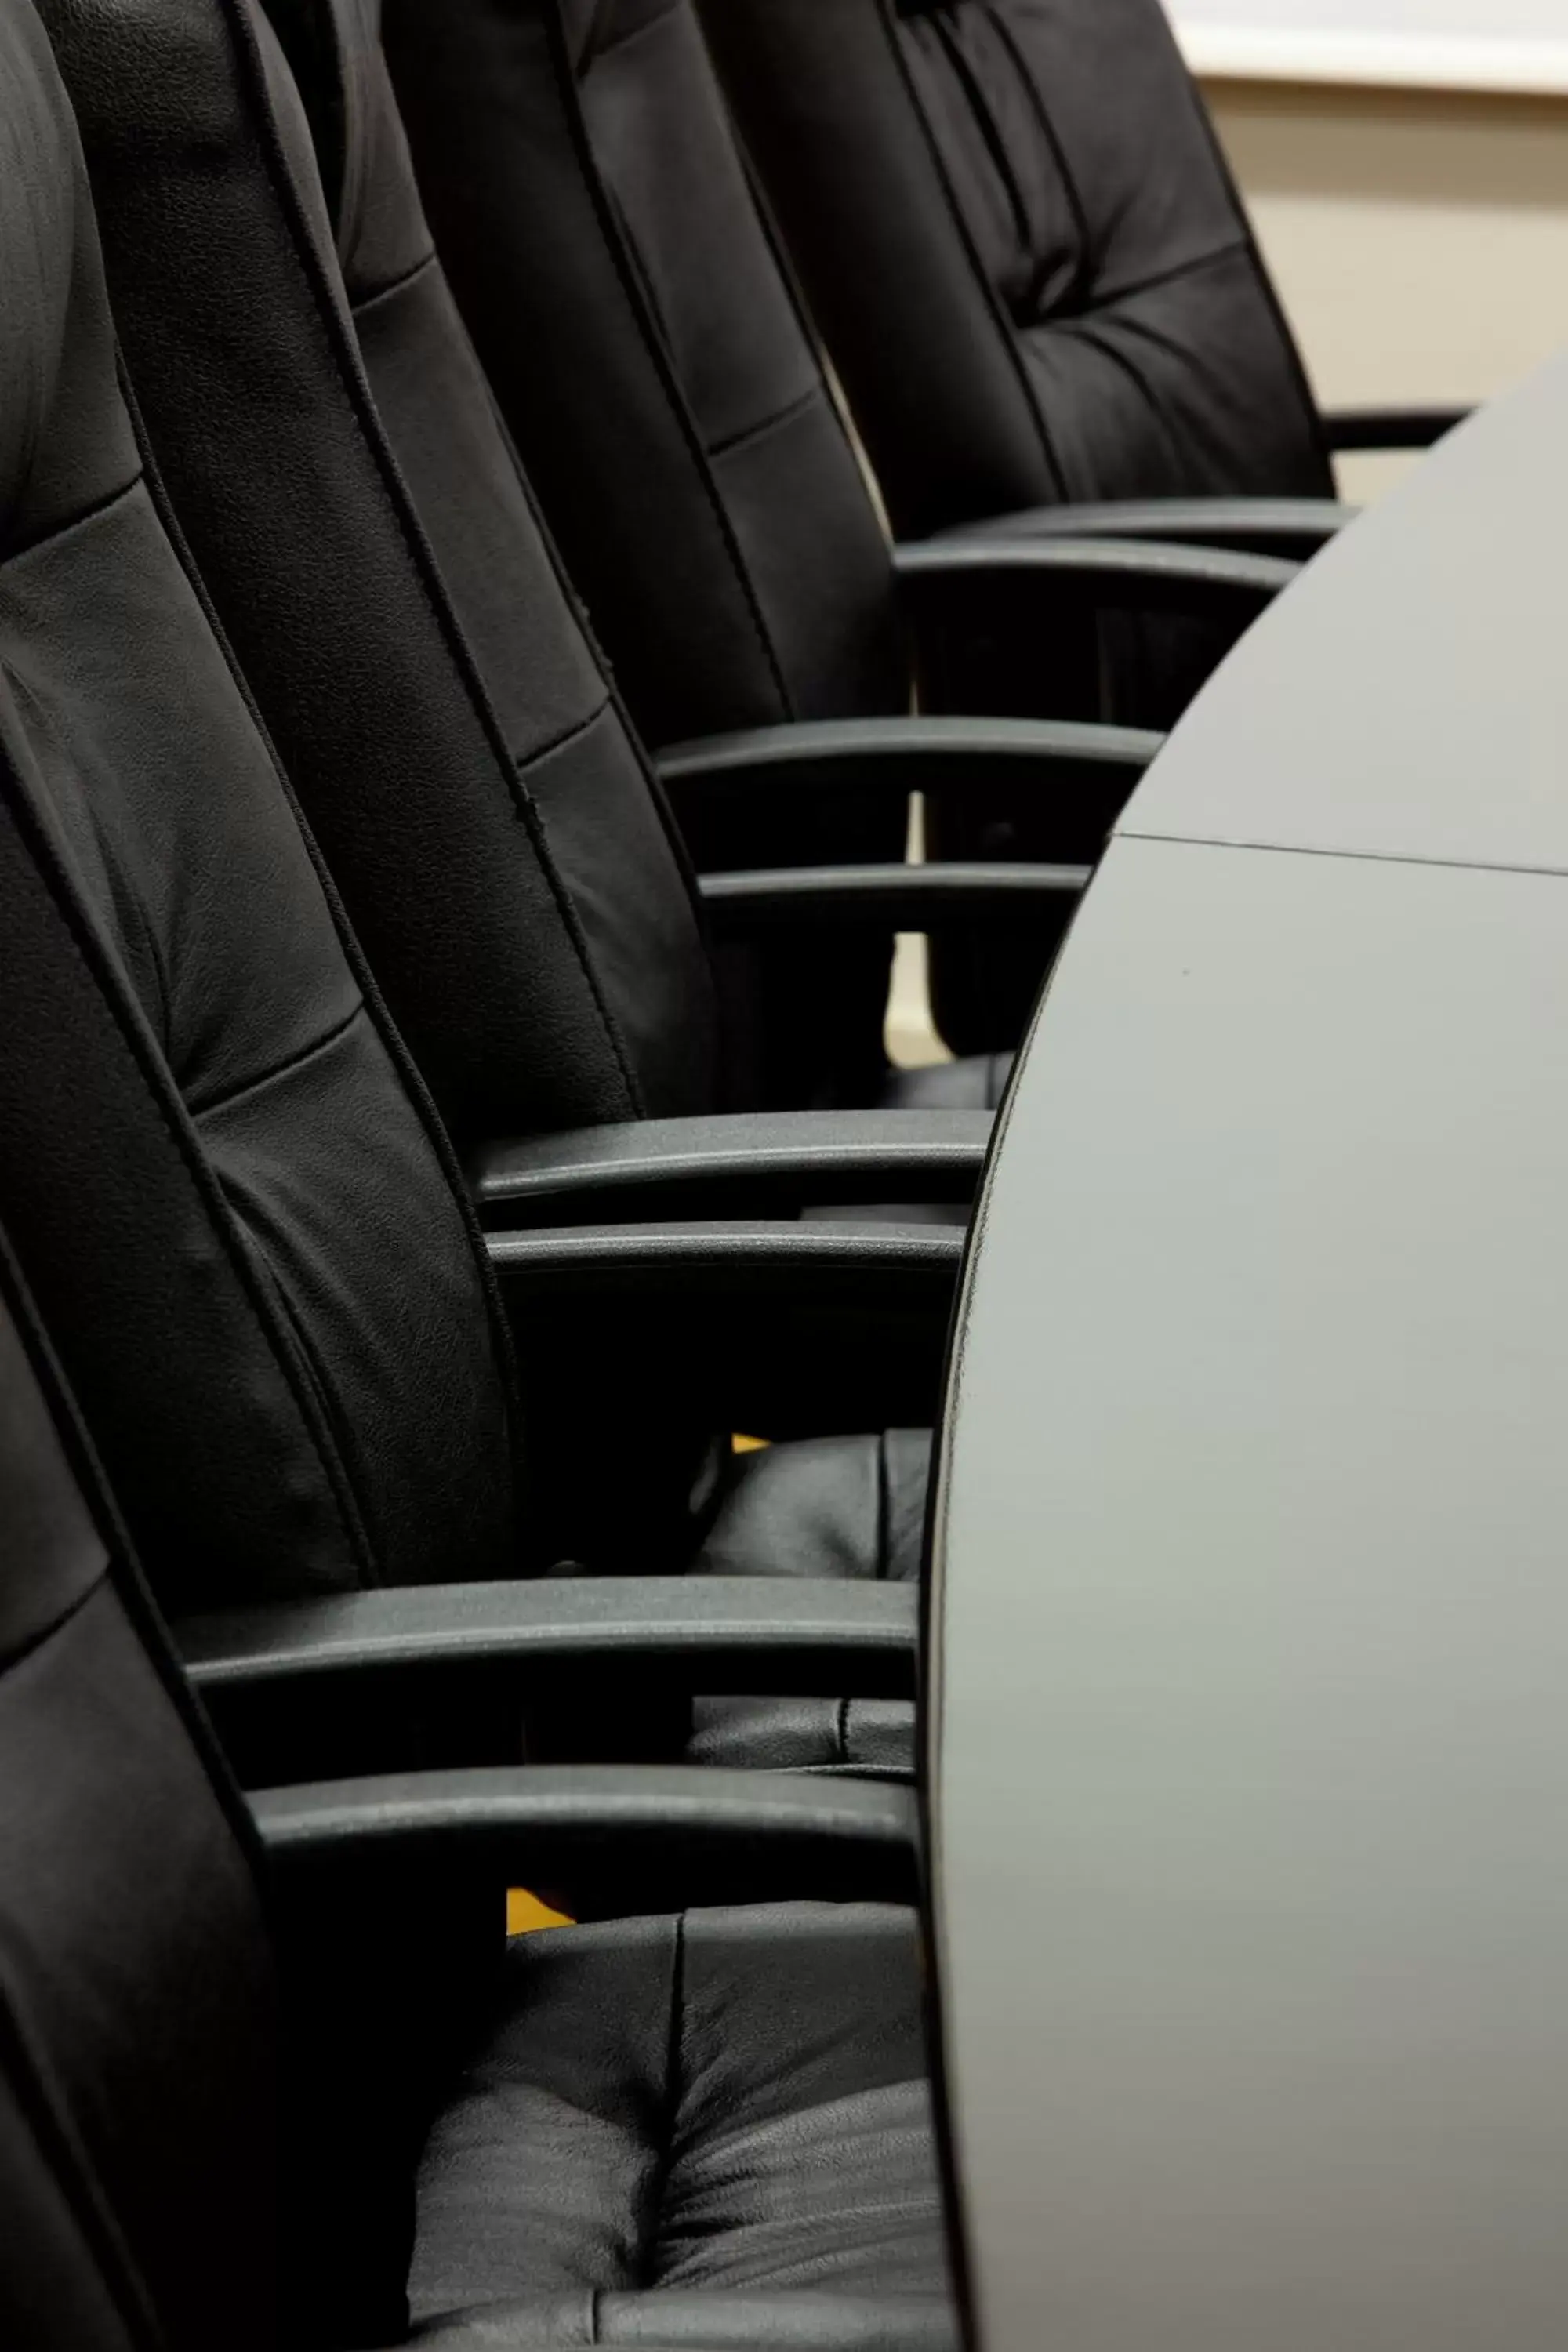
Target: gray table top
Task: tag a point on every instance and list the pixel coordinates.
(1250, 1624)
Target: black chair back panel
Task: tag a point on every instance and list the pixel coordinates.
(138, 2014)
(239, 1214)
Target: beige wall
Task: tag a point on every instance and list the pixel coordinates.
(1419, 239)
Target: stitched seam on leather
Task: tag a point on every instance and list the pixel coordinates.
(1043, 116)
(1191, 268)
(547, 749)
(123, 1572)
(42, 1635)
(985, 122)
(389, 1037)
(813, 394)
(841, 1731)
(593, 51)
(1012, 356)
(664, 2162)
(30, 705)
(364, 303)
(58, 531)
(422, 562)
(616, 245)
(203, 1181)
(282, 1068)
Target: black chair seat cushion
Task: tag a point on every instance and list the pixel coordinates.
(830, 1506)
(729, 2103)
(975, 1082)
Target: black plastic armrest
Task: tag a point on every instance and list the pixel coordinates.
(901, 756)
(654, 1837)
(1391, 428)
(1294, 528)
(769, 1163)
(746, 1633)
(946, 580)
(892, 897)
(786, 1328)
(747, 1263)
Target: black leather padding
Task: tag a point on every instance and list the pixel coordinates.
(242, 1222)
(139, 2059)
(729, 2102)
(693, 2130)
(1038, 282)
(673, 415)
(440, 711)
(682, 432)
(1023, 246)
(834, 1507)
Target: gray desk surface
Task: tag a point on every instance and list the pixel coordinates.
(1250, 1626)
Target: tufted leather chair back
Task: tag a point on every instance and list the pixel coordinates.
(1023, 246)
(1024, 252)
(595, 218)
(236, 1208)
(379, 567)
(654, 375)
(374, 549)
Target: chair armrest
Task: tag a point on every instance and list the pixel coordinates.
(1294, 528)
(903, 755)
(948, 580)
(787, 1328)
(767, 1163)
(649, 1837)
(450, 1675)
(754, 1634)
(1391, 428)
(756, 1261)
(891, 898)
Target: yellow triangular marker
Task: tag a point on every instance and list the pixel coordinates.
(526, 1914)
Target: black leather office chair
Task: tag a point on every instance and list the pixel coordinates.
(1022, 242)
(669, 405)
(378, 565)
(276, 2080)
(245, 1225)
(1022, 245)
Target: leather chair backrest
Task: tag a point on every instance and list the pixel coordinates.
(632, 315)
(1023, 248)
(241, 1219)
(435, 695)
(138, 2058)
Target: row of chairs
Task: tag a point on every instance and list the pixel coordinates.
(430, 1122)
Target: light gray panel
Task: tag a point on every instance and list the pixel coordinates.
(1408, 696)
(1252, 1670)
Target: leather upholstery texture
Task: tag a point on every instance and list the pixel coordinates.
(228, 1190)
(1021, 242)
(707, 2128)
(243, 1219)
(729, 2103)
(705, 496)
(245, 1232)
(138, 2022)
(438, 707)
(1025, 254)
(359, 513)
(655, 375)
(816, 1509)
